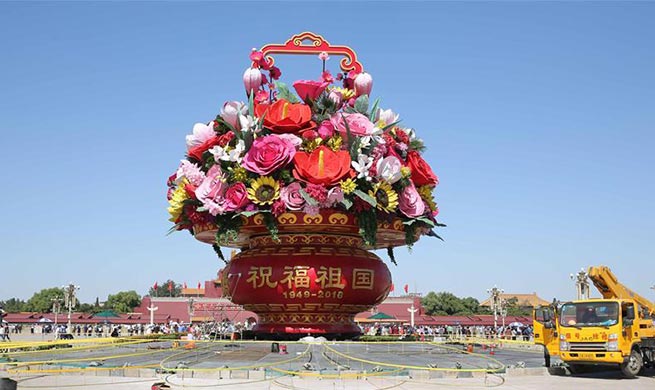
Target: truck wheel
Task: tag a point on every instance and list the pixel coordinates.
(633, 365)
(575, 369)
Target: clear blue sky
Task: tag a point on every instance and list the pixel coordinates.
(539, 119)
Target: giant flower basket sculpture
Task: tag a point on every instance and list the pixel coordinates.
(305, 186)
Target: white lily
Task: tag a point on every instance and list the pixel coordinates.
(376, 135)
(362, 166)
(247, 122)
(236, 153)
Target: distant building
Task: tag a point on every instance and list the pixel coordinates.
(524, 301)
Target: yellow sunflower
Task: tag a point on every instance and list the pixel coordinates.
(385, 196)
(264, 190)
(426, 195)
(176, 203)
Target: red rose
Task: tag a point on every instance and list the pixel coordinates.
(322, 166)
(197, 151)
(309, 89)
(421, 172)
(284, 117)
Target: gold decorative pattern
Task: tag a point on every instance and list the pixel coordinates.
(312, 219)
(305, 318)
(258, 219)
(329, 222)
(287, 218)
(338, 219)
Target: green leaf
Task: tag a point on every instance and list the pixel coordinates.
(283, 92)
(251, 103)
(374, 110)
(307, 198)
(366, 197)
(219, 252)
(390, 126)
(173, 229)
(229, 126)
(361, 105)
(347, 203)
(431, 233)
(249, 213)
(391, 255)
(419, 219)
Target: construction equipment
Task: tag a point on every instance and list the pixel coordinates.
(617, 329)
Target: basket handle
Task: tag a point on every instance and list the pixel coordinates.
(317, 45)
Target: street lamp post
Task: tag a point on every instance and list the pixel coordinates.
(69, 298)
(56, 307)
(581, 284)
(496, 305)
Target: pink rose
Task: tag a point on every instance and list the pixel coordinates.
(411, 203)
(236, 197)
(291, 197)
(268, 154)
(358, 124)
(210, 191)
(310, 89)
(326, 130)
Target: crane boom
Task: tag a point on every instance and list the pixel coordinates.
(610, 287)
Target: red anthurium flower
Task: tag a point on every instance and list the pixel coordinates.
(284, 117)
(322, 166)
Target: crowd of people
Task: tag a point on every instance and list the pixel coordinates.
(515, 331)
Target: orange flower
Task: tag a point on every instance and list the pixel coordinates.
(322, 166)
(284, 117)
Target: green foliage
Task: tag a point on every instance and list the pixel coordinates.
(361, 105)
(42, 301)
(368, 226)
(445, 303)
(13, 305)
(283, 92)
(123, 301)
(162, 289)
(89, 308)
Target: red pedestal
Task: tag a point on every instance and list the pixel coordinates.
(314, 279)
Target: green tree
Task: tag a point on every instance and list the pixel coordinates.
(42, 301)
(123, 301)
(471, 305)
(443, 303)
(13, 305)
(163, 289)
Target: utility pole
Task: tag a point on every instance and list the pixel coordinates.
(581, 284)
(69, 298)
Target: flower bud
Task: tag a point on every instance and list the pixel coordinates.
(336, 97)
(363, 84)
(252, 79)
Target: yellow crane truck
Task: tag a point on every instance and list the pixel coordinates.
(617, 329)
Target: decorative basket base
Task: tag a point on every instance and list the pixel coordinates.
(302, 286)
